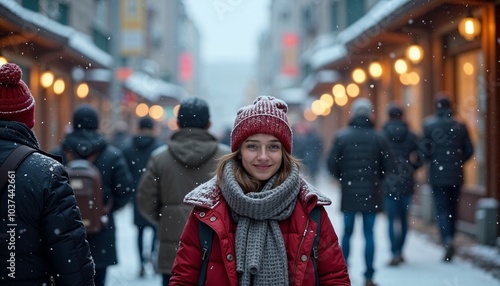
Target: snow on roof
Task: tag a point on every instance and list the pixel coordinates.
(294, 95)
(77, 41)
(320, 77)
(327, 55)
(372, 18)
(336, 49)
(153, 89)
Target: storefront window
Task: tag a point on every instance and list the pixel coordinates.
(471, 109)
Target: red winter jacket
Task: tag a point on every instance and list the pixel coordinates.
(298, 233)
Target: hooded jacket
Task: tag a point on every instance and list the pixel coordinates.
(116, 185)
(298, 232)
(403, 143)
(360, 158)
(47, 236)
(187, 161)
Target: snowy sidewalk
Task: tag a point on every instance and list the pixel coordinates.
(423, 264)
(423, 258)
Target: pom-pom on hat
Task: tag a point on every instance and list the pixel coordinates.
(193, 112)
(16, 101)
(266, 115)
(85, 117)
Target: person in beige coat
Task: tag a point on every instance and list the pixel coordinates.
(188, 160)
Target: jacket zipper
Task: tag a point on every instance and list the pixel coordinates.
(298, 252)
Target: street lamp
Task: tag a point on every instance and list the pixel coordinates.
(46, 79)
(469, 27)
(358, 75)
(82, 90)
(375, 69)
(59, 86)
(415, 53)
(401, 66)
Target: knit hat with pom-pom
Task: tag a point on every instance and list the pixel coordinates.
(266, 115)
(16, 101)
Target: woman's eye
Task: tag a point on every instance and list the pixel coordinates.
(275, 147)
(251, 146)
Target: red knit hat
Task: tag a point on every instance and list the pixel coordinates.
(266, 115)
(16, 101)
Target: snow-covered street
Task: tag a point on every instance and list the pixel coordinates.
(423, 264)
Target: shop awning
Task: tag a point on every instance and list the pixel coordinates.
(339, 46)
(19, 26)
(153, 89)
(317, 82)
(293, 96)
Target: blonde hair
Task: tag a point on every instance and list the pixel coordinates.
(247, 182)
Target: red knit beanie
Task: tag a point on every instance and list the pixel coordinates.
(266, 115)
(16, 101)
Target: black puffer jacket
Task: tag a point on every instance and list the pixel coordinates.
(116, 182)
(403, 143)
(447, 146)
(49, 235)
(360, 158)
(137, 152)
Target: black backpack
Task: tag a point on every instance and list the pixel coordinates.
(205, 234)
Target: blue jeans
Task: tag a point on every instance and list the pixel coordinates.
(368, 224)
(397, 220)
(446, 201)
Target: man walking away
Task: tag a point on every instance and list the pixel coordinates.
(399, 188)
(86, 142)
(447, 146)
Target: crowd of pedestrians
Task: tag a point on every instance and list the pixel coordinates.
(266, 221)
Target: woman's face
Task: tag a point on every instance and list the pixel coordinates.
(261, 156)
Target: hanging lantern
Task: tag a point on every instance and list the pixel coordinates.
(469, 27)
(415, 53)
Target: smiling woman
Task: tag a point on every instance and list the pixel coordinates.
(259, 208)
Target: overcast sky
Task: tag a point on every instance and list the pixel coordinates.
(229, 29)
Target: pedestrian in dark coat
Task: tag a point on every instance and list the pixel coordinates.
(399, 187)
(117, 184)
(41, 230)
(360, 158)
(137, 152)
(258, 207)
(188, 160)
(447, 146)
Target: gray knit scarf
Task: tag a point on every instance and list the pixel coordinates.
(260, 250)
